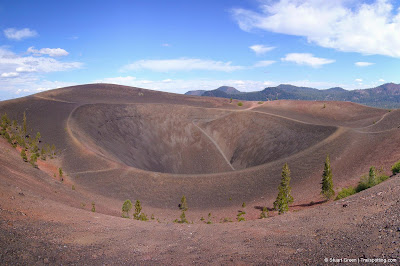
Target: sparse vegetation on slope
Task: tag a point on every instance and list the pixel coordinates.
(396, 168)
(366, 181)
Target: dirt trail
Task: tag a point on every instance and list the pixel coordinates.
(215, 144)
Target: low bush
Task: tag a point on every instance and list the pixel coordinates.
(396, 168)
(240, 218)
(345, 192)
(240, 104)
(366, 181)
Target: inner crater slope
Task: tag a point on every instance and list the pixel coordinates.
(190, 140)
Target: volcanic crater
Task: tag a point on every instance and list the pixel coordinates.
(190, 140)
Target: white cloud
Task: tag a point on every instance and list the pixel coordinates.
(363, 64)
(166, 45)
(23, 73)
(381, 80)
(10, 62)
(9, 75)
(48, 51)
(182, 86)
(260, 49)
(306, 59)
(182, 64)
(263, 63)
(14, 34)
(345, 25)
(25, 69)
(358, 80)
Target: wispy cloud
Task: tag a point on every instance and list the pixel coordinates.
(181, 64)
(182, 86)
(10, 62)
(260, 49)
(14, 34)
(363, 64)
(306, 59)
(264, 63)
(368, 28)
(9, 75)
(54, 52)
(27, 73)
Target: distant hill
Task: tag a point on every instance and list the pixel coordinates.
(220, 92)
(196, 93)
(384, 96)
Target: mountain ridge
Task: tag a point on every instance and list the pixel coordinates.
(384, 96)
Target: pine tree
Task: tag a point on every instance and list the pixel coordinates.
(372, 177)
(126, 207)
(138, 210)
(23, 155)
(284, 197)
(264, 213)
(183, 206)
(327, 183)
(24, 124)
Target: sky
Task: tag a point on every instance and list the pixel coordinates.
(182, 45)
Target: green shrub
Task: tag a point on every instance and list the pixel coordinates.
(240, 218)
(23, 155)
(381, 178)
(93, 207)
(126, 207)
(260, 102)
(264, 213)
(182, 220)
(345, 192)
(240, 104)
(363, 184)
(396, 168)
(138, 215)
(226, 220)
(183, 206)
(209, 219)
(244, 205)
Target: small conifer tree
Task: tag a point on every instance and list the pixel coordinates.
(33, 160)
(183, 206)
(24, 129)
(23, 155)
(284, 197)
(327, 183)
(138, 210)
(264, 213)
(60, 172)
(126, 207)
(93, 207)
(372, 177)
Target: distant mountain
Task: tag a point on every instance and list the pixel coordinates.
(220, 92)
(196, 93)
(229, 90)
(384, 96)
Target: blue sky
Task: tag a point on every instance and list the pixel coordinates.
(178, 46)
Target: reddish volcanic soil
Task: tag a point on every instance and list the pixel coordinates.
(116, 143)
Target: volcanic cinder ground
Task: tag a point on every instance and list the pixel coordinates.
(116, 143)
